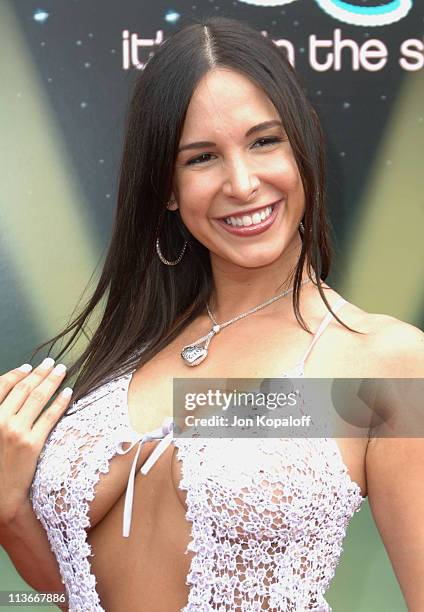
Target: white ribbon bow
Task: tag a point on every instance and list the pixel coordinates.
(166, 433)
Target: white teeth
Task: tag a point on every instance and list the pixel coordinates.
(247, 220)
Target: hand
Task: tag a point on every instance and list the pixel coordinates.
(25, 427)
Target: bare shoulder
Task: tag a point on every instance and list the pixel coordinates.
(397, 347)
(386, 348)
(401, 346)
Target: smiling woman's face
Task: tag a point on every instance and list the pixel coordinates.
(234, 167)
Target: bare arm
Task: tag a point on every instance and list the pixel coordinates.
(24, 427)
(395, 468)
(25, 541)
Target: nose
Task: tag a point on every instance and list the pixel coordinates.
(241, 180)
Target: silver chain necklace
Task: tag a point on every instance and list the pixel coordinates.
(195, 353)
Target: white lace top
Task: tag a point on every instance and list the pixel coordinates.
(268, 516)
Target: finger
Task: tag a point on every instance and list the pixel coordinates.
(19, 392)
(9, 379)
(39, 397)
(49, 418)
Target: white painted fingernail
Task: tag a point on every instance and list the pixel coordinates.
(46, 363)
(25, 367)
(67, 392)
(59, 369)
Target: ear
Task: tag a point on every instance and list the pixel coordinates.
(172, 204)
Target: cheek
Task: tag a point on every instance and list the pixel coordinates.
(195, 198)
(289, 176)
(194, 211)
(193, 188)
(298, 184)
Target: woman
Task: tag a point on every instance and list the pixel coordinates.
(221, 222)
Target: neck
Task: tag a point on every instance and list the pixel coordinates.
(238, 289)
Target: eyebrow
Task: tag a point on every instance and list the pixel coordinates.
(265, 125)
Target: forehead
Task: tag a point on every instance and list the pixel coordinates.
(225, 101)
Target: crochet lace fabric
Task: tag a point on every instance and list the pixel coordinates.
(77, 451)
(268, 516)
(267, 531)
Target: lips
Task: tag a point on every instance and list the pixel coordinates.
(248, 212)
(251, 230)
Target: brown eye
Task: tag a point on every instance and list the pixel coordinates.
(193, 162)
(269, 140)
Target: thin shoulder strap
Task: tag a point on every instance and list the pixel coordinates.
(323, 325)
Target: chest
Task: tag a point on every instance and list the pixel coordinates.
(261, 350)
(234, 355)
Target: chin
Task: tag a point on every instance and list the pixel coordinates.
(256, 261)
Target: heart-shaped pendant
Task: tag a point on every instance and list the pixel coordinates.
(194, 354)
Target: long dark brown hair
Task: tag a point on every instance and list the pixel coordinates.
(146, 303)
